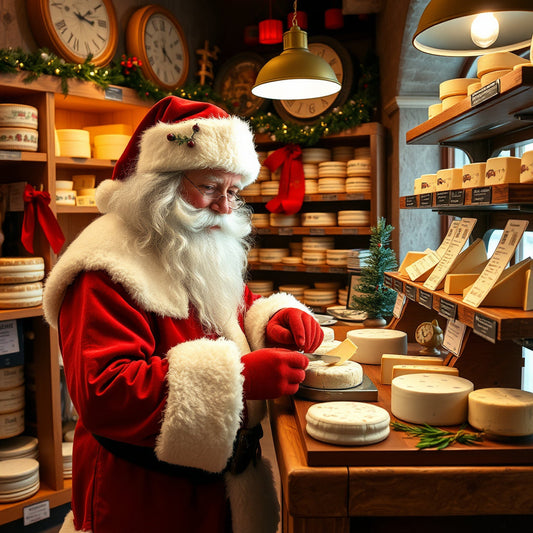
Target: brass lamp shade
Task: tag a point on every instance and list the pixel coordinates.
(296, 74)
(444, 27)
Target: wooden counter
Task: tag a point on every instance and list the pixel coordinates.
(412, 497)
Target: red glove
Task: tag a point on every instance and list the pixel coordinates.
(272, 372)
(294, 329)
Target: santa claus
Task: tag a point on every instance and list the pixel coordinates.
(168, 356)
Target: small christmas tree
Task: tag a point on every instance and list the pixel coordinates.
(373, 298)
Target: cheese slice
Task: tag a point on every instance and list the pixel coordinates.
(345, 350)
(434, 399)
(402, 370)
(388, 361)
(501, 411)
(347, 423)
(409, 259)
(456, 283)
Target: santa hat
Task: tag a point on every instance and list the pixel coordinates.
(178, 134)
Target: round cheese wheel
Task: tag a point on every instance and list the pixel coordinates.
(11, 424)
(455, 87)
(372, 343)
(347, 423)
(11, 376)
(13, 115)
(501, 411)
(23, 139)
(320, 375)
(497, 61)
(434, 399)
(489, 77)
(18, 447)
(21, 290)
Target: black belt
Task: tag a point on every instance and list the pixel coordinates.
(246, 449)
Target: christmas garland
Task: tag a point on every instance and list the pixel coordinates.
(359, 109)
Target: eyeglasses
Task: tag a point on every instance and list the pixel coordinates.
(213, 194)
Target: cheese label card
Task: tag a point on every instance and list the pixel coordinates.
(426, 263)
(458, 240)
(509, 240)
(453, 336)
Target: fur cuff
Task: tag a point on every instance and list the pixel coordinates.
(260, 313)
(204, 404)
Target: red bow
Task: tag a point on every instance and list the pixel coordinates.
(292, 180)
(39, 201)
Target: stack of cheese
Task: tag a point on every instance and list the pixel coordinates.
(353, 218)
(332, 177)
(454, 91)
(18, 127)
(358, 172)
(66, 449)
(297, 290)
(74, 143)
(280, 220)
(65, 195)
(22, 446)
(12, 400)
(492, 66)
(262, 287)
(108, 141)
(20, 282)
(260, 220)
(84, 185)
(273, 255)
(19, 479)
(320, 298)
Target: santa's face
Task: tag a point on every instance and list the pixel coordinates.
(213, 189)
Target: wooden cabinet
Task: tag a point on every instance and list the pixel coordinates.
(491, 351)
(85, 105)
(371, 135)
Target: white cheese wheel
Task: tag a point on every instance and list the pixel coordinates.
(327, 346)
(455, 87)
(317, 243)
(12, 400)
(372, 343)
(110, 146)
(329, 333)
(311, 186)
(320, 298)
(316, 155)
(23, 139)
(11, 424)
(64, 185)
(290, 260)
(317, 257)
(402, 370)
(310, 170)
(497, 61)
(273, 255)
(433, 399)
(18, 447)
(74, 143)
(499, 170)
(320, 375)
(347, 423)
(14, 115)
(21, 290)
(319, 219)
(501, 411)
(65, 197)
(19, 479)
(11, 376)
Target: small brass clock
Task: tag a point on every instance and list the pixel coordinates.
(430, 336)
(74, 30)
(155, 36)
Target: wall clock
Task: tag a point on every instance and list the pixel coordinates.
(75, 29)
(308, 110)
(155, 36)
(234, 82)
(430, 336)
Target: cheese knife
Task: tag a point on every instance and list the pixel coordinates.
(329, 359)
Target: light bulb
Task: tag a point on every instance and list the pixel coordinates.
(484, 30)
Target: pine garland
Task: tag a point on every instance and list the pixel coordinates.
(433, 437)
(359, 109)
(375, 299)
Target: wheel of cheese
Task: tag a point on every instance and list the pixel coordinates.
(320, 375)
(455, 87)
(11, 424)
(497, 61)
(280, 220)
(310, 244)
(319, 219)
(316, 257)
(434, 110)
(12, 400)
(342, 153)
(489, 77)
(11, 376)
(22, 290)
(347, 423)
(310, 170)
(331, 185)
(19, 447)
(434, 399)
(74, 143)
(355, 167)
(23, 139)
(18, 115)
(316, 155)
(19, 479)
(372, 343)
(451, 101)
(504, 412)
(290, 260)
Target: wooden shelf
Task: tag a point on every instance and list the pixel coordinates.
(297, 268)
(488, 126)
(508, 323)
(79, 162)
(17, 155)
(310, 230)
(24, 312)
(337, 197)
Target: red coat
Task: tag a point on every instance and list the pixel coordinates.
(149, 378)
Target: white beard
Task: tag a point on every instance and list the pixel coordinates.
(211, 263)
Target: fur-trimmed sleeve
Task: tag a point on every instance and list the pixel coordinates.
(260, 313)
(204, 404)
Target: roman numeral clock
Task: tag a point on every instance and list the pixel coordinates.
(155, 36)
(75, 29)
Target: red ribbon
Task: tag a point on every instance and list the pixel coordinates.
(291, 190)
(38, 201)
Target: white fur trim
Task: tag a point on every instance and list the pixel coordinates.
(144, 279)
(260, 313)
(253, 499)
(221, 143)
(204, 404)
(105, 193)
(68, 524)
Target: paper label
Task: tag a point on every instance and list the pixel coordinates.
(458, 240)
(36, 512)
(505, 250)
(398, 305)
(453, 336)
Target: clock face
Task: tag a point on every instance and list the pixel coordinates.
(75, 29)
(155, 36)
(425, 333)
(310, 109)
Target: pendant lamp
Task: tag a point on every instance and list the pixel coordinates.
(296, 74)
(474, 27)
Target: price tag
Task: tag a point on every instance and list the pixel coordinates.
(442, 198)
(448, 309)
(485, 93)
(36, 512)
(509, 240)
(426, 199)
(485, 327)
(317, 231)
(457, 197)
(482, 195)
(329, 197)
(285, 231)
(410, 292)
(387, 281)
(459, 238)
(425, 299)
(410, 201)
(10, 155)
(113, 93)
(453, 336)
(398, 285)
(398, 305)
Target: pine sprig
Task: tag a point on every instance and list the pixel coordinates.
(433, 437)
